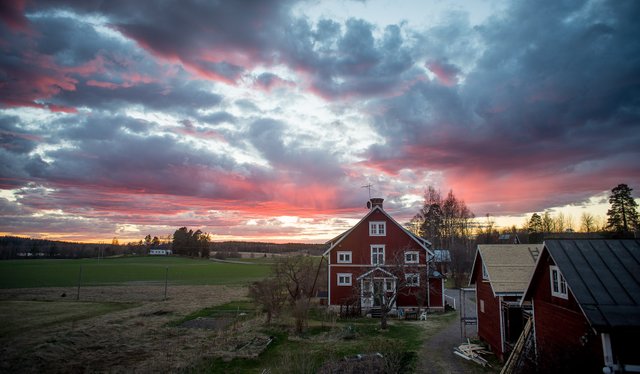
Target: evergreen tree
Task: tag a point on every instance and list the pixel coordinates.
(535, 223)
(623, 214)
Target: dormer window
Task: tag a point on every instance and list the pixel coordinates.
(558, 283)
(377, 228)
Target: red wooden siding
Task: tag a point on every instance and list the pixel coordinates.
(489, 320)
(564, 340)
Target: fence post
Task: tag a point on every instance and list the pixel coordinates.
(79, 280)
(166, 278)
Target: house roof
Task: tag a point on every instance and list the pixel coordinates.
(425, 244)
(509, 266)
(603, 276)
(441, 255)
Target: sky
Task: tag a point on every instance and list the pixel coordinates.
(262, 120)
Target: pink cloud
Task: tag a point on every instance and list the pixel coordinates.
(446, 73)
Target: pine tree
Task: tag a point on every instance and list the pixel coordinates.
(535, 223)
(623, 214)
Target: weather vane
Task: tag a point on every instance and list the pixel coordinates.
(368, 186)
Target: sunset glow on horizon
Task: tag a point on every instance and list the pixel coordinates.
(261, 121)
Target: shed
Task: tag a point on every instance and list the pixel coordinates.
(500, 274)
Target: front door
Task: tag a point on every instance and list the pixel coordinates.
(378, 292)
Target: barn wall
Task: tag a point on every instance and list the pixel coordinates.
(564, 340)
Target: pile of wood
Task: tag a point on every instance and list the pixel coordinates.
(472, 352)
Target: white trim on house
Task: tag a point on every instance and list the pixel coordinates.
(558, 283)
(423, 243)
(379, 252)
(344, 279)
(377, 228)
(415, 277)
(414, 257)
(347, 257)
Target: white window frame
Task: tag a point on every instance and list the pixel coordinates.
(346, 255)
(558, 283)
(379, 248)
(415, 277)
(485, 273)
(347, 279)
(377, 228)
(412, 253)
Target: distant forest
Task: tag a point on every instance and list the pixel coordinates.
(12, 247)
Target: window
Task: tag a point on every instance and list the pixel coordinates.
(411, 257)
(377, 228)
(413, 280)
(485, 274)
(481, 306)
(558, 284)
(388, 285)
(344, 257)
(344, 279)
(377, 254)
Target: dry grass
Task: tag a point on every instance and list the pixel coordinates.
(49, 333)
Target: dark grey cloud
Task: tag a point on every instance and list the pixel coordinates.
(555, 92)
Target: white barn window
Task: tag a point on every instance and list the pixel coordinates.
(377, 254)
(344, 257)
(344, 279)
(558, 283)
(377, 228)
(411, 257)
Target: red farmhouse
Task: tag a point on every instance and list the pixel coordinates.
(378, 259)
(586, 306)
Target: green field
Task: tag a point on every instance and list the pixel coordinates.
(113, 271)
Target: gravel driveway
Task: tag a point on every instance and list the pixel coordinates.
(437, 353)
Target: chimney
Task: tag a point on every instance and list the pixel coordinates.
(374, 202)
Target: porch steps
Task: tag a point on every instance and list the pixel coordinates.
(376, 313)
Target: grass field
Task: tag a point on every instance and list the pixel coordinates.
(126, 270)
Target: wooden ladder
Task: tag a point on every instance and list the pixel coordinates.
(514, 357)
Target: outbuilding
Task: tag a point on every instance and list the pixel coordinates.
(586, 306)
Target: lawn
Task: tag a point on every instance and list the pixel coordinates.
(327, 341)
(126, 270)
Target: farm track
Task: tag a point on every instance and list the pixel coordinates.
(131, 340)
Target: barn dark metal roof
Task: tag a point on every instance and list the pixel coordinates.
(604, 277)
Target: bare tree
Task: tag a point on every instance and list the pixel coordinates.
(270, 294)
(298, 275)
(396, 277)
(587, 222)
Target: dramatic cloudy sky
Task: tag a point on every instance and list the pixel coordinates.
(261, 120)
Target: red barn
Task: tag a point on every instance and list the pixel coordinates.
(500, 274)
(586, 306)
(378, 258)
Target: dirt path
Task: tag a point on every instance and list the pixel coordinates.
(437, 353)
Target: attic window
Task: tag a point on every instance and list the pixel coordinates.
(377, 228)
(558, 283)
(485, 273)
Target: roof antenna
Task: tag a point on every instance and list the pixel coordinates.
(368, 186)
